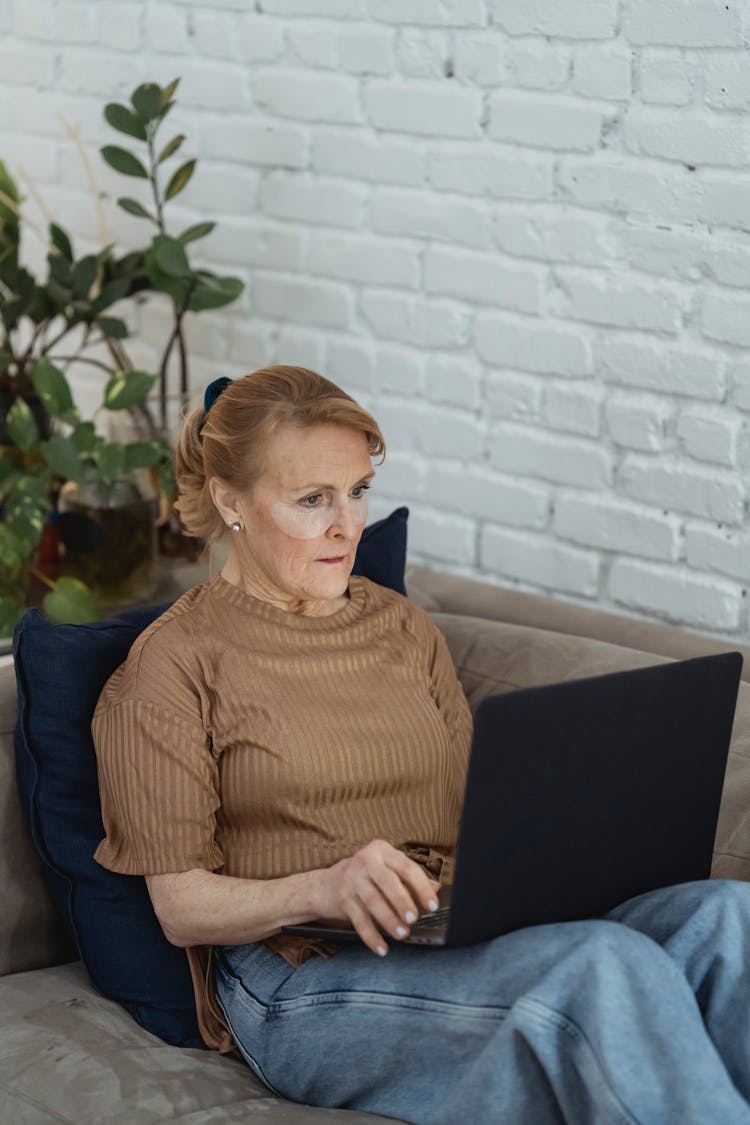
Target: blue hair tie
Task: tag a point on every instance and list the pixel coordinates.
(212, 392)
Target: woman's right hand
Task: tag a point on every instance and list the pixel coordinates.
(377, 888)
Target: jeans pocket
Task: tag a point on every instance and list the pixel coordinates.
(247, 979)
(260, 971)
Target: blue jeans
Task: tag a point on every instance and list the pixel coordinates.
(640, 1017)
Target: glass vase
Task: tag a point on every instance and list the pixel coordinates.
(108, 537)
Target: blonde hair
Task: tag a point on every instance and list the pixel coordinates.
(229, 441)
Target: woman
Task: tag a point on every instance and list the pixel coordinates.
(289, 742)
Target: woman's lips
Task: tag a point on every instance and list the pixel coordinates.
(334, 561)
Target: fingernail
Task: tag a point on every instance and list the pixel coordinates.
(433, 905)
(382, 951)
(410, 917)
(401, 931)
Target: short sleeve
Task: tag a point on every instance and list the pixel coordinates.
(158, 780)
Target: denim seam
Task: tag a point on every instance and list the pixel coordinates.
(549, 1016)
(261, 1010)
(390, 1000)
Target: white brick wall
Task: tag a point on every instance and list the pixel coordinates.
(518, 231)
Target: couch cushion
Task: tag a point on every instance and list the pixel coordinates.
(60, 671)
(381, 555)
(31, 932)
(452, 593)
(69, 1055)
(492, 657)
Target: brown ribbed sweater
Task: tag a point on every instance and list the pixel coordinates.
(253, 742)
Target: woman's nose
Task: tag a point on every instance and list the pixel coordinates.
(344, 519)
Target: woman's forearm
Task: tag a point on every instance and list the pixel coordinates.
(200, 908)
(378, 890)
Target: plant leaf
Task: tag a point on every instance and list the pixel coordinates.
(84, 276)
(133, 207)
(123, 161)
(112, 327)
(52, 387)
(34, 489)
(27, 519)
(81, 311)
(200, 230)
(176, 288)
(170, 256)
(14, 549)
(60, 269)
(10, 229)
(166, 478)
(170, 148)
(21, 425)
(8, 473)
(84, 437)
(60, 241)
(114, 290)
(169, 91)
(215, 292)
(62, 457)
(127, 388)
(123, 119)
(58, 293)
(147, 100)
(180, 179)
(143, 454)
(71, 602)
(110, 458)
(10, 611)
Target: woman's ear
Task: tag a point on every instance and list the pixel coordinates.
(225, 500)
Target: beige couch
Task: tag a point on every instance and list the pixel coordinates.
(68, 1055)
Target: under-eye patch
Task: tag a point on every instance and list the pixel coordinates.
(313, 516)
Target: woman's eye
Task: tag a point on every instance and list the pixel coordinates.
(311, 501)
(359, 491)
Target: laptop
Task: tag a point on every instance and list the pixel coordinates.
(581, 795)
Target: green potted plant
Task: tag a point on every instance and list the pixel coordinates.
(58, 471)
(163, 266)
(77, 487)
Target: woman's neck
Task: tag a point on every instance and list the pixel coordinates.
(261, 588)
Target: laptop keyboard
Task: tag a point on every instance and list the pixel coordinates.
(432, 921)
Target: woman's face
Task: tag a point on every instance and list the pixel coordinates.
(302, 521)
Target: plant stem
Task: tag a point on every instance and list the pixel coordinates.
(22, 360)
(80, 359)
(163, 376)
(56, 339)
(153, 177)
(35, 573)
(118, 353)
(183, 367)
(7, 346)
(176, 337)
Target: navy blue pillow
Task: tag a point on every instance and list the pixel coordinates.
(60, 672)
(381, 555)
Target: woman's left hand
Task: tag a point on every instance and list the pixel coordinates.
(378, 890)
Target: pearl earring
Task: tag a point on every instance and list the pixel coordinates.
(235, 526)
